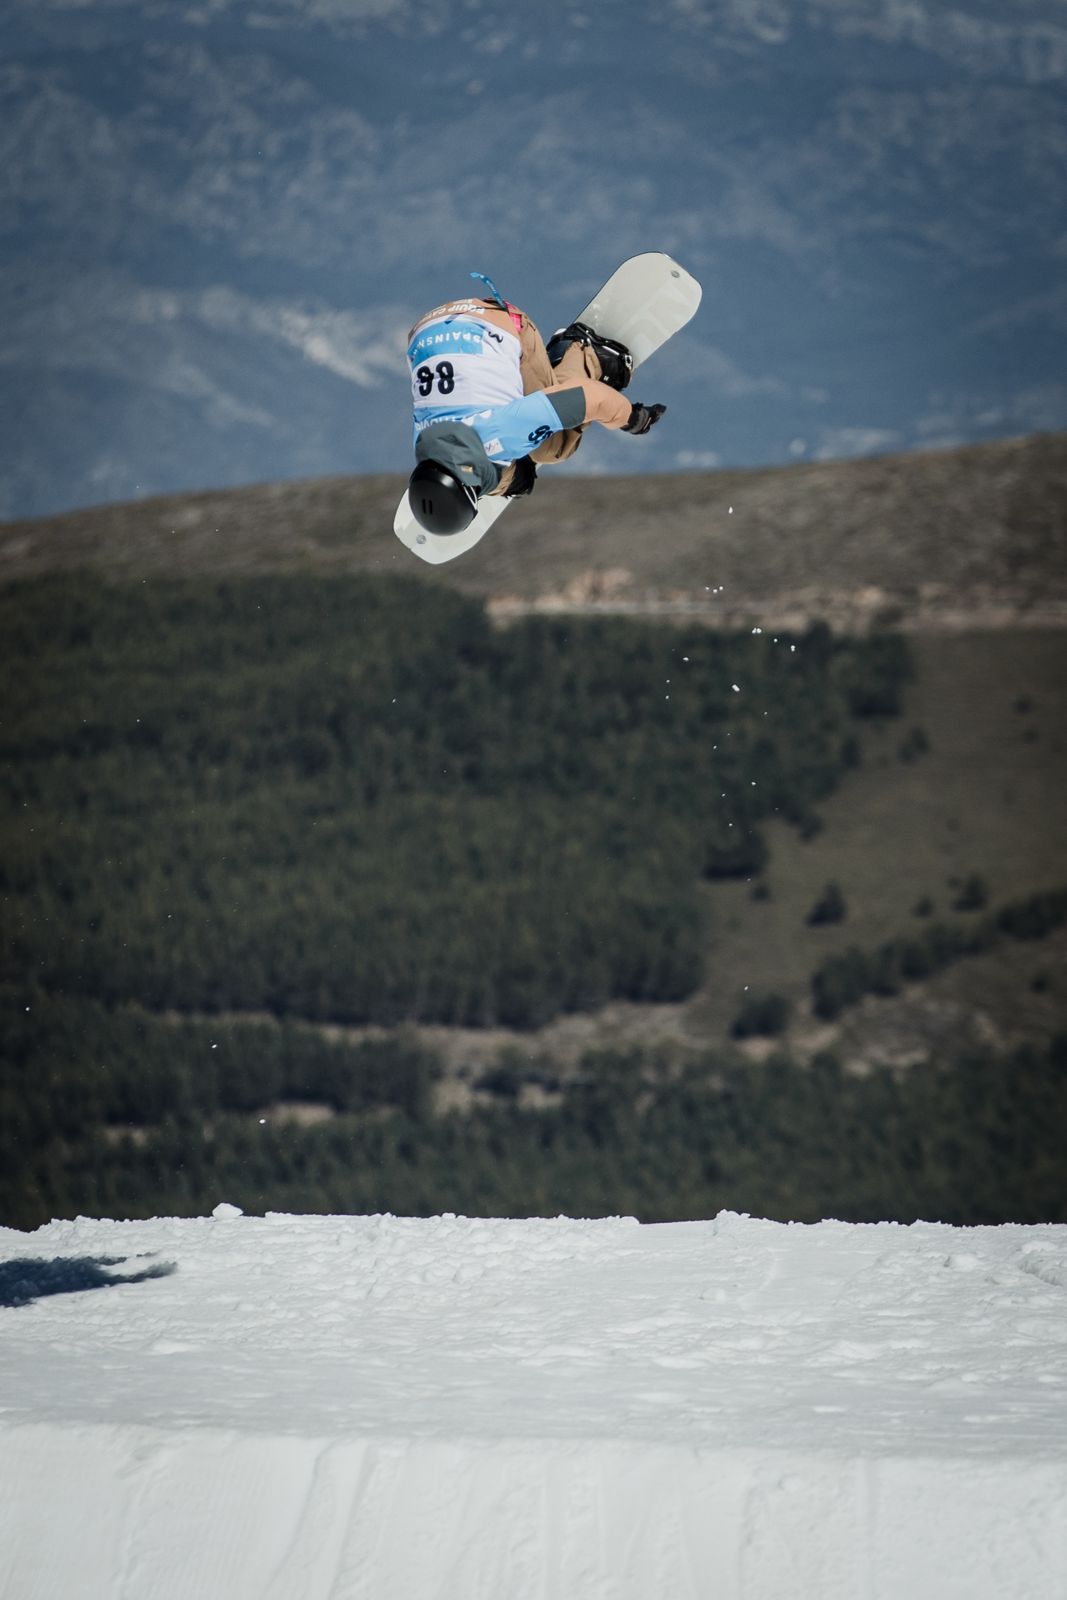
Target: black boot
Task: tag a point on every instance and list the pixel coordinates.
(616, 363)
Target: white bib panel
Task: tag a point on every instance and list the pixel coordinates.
(460, 364)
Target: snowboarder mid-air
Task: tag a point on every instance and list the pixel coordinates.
(492, 401)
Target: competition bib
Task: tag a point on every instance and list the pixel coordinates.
(461, 364)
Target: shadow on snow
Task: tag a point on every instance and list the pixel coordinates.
(27, 1279)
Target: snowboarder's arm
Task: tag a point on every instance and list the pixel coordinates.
(587, 400)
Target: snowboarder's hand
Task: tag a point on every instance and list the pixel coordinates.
(642, 418)
(523, 479)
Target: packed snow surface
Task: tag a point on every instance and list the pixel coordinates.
(378, 1408)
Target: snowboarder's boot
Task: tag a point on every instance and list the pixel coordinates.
(616, 363)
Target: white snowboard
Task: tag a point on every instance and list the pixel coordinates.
(642, 304)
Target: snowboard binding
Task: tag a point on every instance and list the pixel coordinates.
(616, 363)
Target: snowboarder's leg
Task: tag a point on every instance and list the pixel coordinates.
(611, 360)
(539, 373)
(534, 365)
(577, 361)
(573, 354)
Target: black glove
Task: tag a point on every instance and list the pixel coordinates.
(525, 476)
(642, 418)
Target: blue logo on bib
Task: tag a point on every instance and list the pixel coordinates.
(446, 339)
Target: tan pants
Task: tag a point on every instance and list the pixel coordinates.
(579, 361)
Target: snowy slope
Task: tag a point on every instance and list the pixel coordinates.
(328, 1407)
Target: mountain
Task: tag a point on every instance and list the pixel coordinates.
(931, 540)
(963, 549)
(219, 220)
(333, 1406)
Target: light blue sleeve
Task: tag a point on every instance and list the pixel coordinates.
(508, 432)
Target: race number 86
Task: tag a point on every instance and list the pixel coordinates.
(443, 375)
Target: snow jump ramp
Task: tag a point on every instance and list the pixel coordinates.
(380, 1408)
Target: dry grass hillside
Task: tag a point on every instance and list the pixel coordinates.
(959, 538)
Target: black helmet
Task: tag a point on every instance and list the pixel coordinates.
(440, 501)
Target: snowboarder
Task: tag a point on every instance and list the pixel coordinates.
(492, 401)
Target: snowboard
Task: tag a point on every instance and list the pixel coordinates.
(643, 303)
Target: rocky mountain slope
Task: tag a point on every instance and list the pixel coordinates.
(219, 220)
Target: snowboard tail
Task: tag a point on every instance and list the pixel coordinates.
(643, 304)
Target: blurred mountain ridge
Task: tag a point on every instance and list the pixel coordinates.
(220, 219)
(931, 541)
